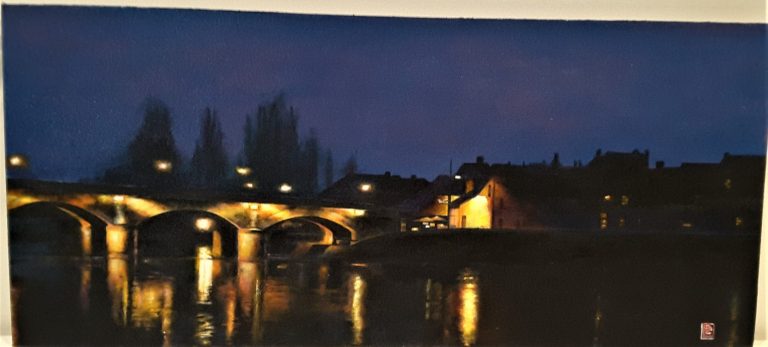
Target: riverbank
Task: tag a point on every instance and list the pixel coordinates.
(496, 246)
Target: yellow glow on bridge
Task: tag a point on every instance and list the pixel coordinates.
(116, 210)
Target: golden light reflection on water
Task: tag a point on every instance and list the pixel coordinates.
(204, 267)
(433, 303)
(598, 319)
(228, 296)
(152, 302)
(204, 328)
(734, 316)
(469, 303)
(250, 295)
(117, 283)
(356, 307)
(85, 285)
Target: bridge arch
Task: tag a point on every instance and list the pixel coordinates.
(336, 232)
(304, 235)
(178, 233)
(337, 222)
(32, 224)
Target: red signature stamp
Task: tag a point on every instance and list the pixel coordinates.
(707, 331)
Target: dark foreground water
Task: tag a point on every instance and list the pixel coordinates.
(486, 289)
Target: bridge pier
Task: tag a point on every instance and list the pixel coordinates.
(117, 239)
(249, 244)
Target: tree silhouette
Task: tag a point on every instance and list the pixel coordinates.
(272, 148)
(328, 167)
(555, 164)
(152, 158)
(350, 167)
(209, 162)
(311, 154)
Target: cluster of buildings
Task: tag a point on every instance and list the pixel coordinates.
(615, 190)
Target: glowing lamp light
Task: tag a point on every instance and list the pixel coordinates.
(366, 187)
(249, 185)
(285, 188)
(457, 177)
(243, 170)
(118, 198)
(203, 224)
(163, 166)
(607, 198)
(17, 161)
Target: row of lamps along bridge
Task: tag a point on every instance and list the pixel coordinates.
(164, 166)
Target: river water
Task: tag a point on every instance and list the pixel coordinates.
(629, 291)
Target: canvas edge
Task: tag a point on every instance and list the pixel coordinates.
(741, 11)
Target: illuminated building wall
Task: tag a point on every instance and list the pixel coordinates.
(492, 207)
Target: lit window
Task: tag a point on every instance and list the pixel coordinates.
(366, 187)
(285, 188)
(624, 200)
(739, 221)
(603, 220)
(163, 166)
(728, 184)
(243, 170)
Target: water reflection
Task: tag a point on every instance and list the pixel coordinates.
(733, 337)
(204, 267)
(469, 302)
(228, 296)
(117, 283)
(356, 306)
(598, 319)
(209, 301)
(152, 303)
(204, 328)
(434, 300)
(85, 285)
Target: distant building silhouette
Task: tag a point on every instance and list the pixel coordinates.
(615, 190)
(385, 190)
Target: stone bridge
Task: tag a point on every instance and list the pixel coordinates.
(234, 221)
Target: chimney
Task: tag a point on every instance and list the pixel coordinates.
(480, 159)
(387, 174)
(659, 164)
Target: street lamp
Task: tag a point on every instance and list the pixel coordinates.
(203, 224)
(17, 161)
(243, 171)
(366, 187)
(249, 185)
(163, 166)
(285, 188)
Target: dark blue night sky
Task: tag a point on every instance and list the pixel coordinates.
(407, 95)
